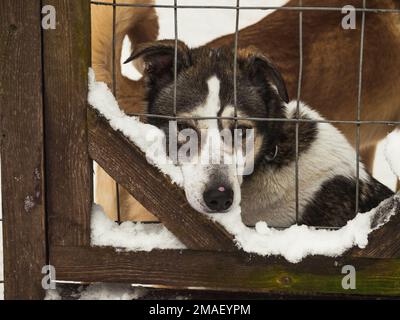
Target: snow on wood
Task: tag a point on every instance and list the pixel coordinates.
(297, 242)
(130, 236)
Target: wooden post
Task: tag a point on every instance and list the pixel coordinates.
(22, 148)
(69, 170)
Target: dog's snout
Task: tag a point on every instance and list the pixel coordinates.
(218, 199)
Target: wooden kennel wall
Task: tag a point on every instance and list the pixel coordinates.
(49, 137)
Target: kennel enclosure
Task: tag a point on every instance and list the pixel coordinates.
(49, 137)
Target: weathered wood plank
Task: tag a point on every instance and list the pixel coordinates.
(228, 271)
(22, 153)
(69, 169)
(128, 166)
(384, 242)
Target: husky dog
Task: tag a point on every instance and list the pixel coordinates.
(327, 169)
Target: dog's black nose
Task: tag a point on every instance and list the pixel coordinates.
(218, 199)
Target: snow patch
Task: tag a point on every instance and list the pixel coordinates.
(52, 295)
(130, 236)
(103, 291)
(29, 204)
(100, 291)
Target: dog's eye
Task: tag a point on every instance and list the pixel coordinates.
(180, 126)
(183, 126)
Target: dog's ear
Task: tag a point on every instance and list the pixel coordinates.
(158, 58)
(260, 69)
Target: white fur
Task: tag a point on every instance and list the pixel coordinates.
(212, 104)
(392, 151)
(330, 152)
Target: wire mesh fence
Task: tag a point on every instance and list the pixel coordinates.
(237, 7)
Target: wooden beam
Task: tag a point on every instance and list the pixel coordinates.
(228, 271)
(69, 169)
(22, 153)
(384, 242)
(127, 165)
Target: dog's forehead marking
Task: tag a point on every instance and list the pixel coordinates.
(212, 105)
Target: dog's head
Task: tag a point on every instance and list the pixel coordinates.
(205, 88)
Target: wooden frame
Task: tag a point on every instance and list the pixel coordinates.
(66, 59)
(53, 128)
(22, 137)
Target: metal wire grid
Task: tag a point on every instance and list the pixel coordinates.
(360, 75)
(300, 8)
(299, 83)
(286, 8)
(114, 91)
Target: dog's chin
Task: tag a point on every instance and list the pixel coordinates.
(206, 210)
(222, 212)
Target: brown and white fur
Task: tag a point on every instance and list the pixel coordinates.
(331, 59)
